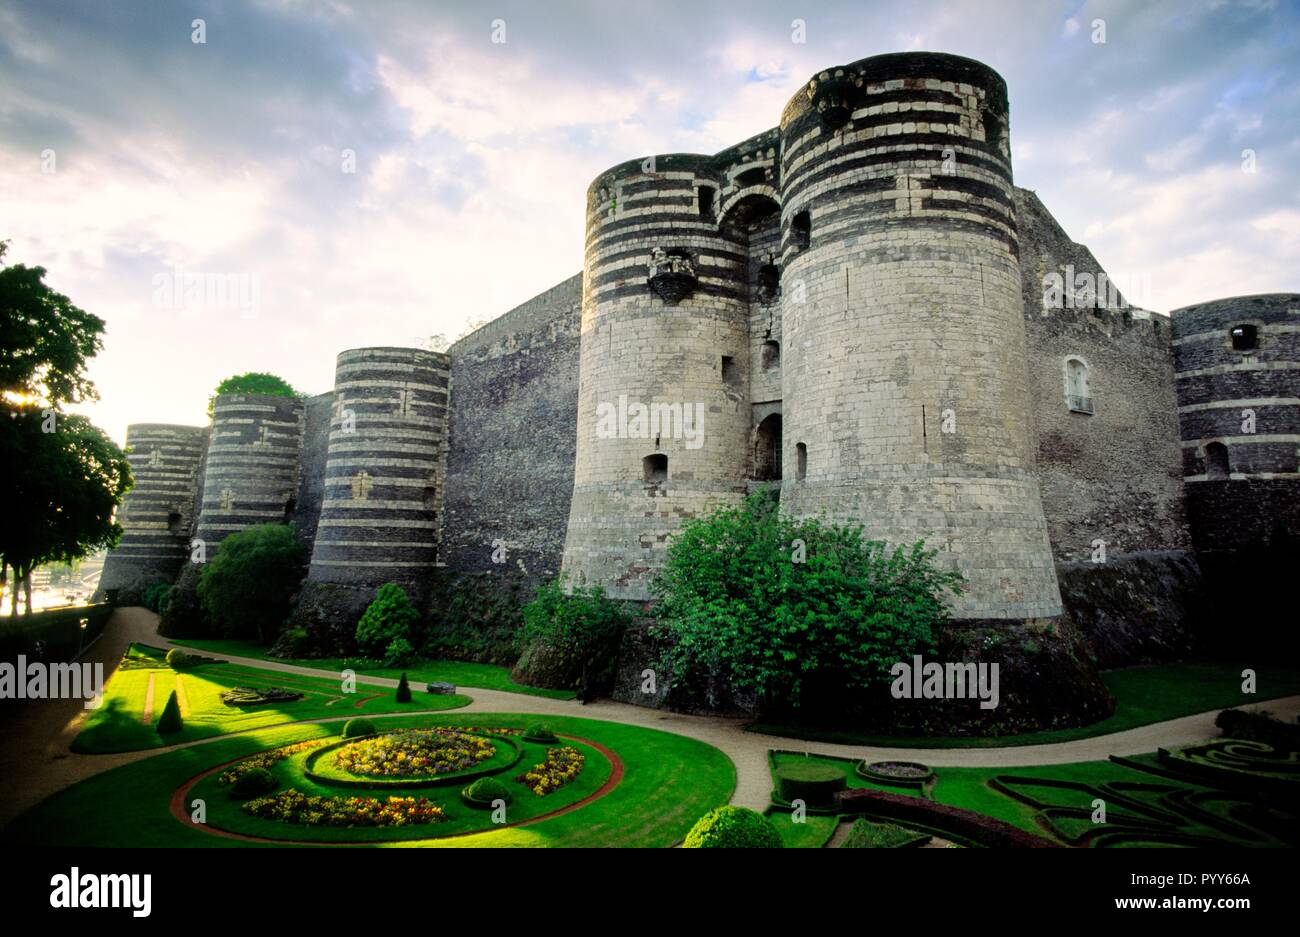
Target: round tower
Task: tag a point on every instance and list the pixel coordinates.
(383, 469)
(251, 474)
(904, 371)
(158, 513)
(1237, 370)
(663, 411)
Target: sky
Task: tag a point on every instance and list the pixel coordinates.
(317, 176)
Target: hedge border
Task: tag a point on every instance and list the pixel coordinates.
(862, 770)
(952, 823)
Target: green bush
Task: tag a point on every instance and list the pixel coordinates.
(484, 791)
(540, 732)
(252, 382)
(355, 728)
(180, 660)
(566, 633)
(775, 604)
(170, 721)
(403, 689)
(155, 597)
(247, 589)
(294, 642)
(388, 618)
(399, 653)
(815, 784)
(868, 835)
(253, 782)
(733, 828)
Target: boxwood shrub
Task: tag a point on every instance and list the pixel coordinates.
(354, 728)
(253, 782)
(733, 828)
(540, 732)
(484, 791)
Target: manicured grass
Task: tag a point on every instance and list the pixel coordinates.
(812, 833)
(116, 725)
(458, 672)
(670, 782)
(1143, 695)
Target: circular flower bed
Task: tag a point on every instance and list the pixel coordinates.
(414, 753)
(899, 773)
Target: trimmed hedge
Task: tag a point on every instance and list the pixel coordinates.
(180, 660)
(1259, 727)
(733, 828)
(540, 733)
(356, 728)
(925, 774)
(949, 822)
(815, 784)
(483, 792)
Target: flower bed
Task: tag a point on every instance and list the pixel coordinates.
(895, 773)
(414, 753)
(561, 766)
(265, 760)
(297, 807)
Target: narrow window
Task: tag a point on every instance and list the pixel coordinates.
(290, 505)
(706, 194)
(801, 231)
(771, 355)
(730, 370)
(1077, 394)
(174, 524)
(654, 468)
(1216, 460)
(751, 177)
(801, 461)
(1245, 337)
(767, 449)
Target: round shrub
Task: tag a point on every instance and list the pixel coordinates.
(355, 728)
(733, 828)
(179, 660)
(253, 783)
(814, 784)
(540, 732)
(484, 791)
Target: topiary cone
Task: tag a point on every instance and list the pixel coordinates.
(170, 720)
(403, 689)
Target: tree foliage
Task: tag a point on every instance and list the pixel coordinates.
(253, 382)
(247, 589)
(384, 630)
(574, 631)
(775, 603)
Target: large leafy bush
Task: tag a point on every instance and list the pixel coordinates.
(778, 605)
(733, 828)
(567, 634)
(384, 631)
(247, 589)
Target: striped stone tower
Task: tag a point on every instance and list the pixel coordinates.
(158, 513)
(906, 406)
(1237, 365)
(384, 469)
(251, 475)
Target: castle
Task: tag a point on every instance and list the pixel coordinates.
(850, 306)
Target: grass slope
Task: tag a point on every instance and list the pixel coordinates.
(1143, 696)
(116, 725)
(459, 672)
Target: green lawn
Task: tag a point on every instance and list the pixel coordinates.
(669, 782)
(458, 672)
(117, 726)
(1143, 695)
(812, 833)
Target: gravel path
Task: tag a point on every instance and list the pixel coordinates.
(36, 754)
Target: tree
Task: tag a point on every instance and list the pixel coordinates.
(403, 689)
(774, 603)
(253, 382)
(247, 589)
(61, 487)
(61, 478)
(386, 621)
